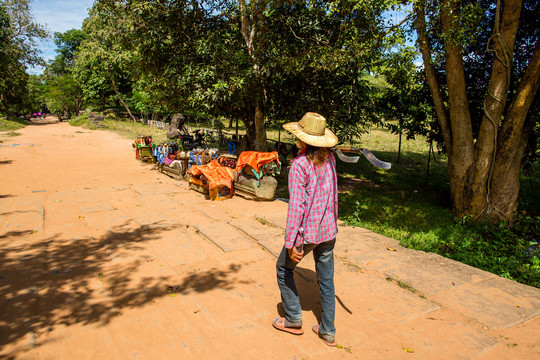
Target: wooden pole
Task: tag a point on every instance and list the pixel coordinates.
(428, 160)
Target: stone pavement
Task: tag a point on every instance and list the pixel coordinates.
(157, 271)
(151, 270)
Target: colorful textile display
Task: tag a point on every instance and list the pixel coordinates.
(215, 174)
(225, 161)
(143, 147)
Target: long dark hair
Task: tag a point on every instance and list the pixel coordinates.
(317, 155)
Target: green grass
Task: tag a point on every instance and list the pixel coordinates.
(124, 128)
(11, 123)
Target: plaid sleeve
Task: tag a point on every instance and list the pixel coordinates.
(297, 195)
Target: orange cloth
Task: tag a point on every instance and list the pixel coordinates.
(256, 159)
(215, 173)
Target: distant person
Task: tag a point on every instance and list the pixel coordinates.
(311, 225)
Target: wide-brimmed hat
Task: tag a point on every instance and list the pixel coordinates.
(312, 130)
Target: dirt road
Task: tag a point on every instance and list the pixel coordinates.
(102, 257)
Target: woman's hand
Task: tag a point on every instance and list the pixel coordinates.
(294, 255)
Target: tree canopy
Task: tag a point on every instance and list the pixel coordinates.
(18, 48)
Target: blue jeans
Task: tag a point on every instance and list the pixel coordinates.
(323, 254)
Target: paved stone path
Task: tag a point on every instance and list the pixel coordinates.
(147, 269)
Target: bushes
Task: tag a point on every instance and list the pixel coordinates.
(512, 251)
(8, 123)
(81, 120)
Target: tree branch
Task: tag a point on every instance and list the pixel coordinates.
(460, 117)
(429, 69)
(521, 103)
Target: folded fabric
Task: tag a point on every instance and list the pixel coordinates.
(215, 173)
(256, 159)
(167, 161)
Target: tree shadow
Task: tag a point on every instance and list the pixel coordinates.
(14, 233)
(60, 280)
(6, 162)
(208, 280)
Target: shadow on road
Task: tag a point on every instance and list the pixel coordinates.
(57, 280)
(309, 293)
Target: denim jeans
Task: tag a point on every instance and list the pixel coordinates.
(323, 254)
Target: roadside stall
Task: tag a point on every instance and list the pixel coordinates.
(213, 180)
(254, 176)
(176, 162)
(144, 146)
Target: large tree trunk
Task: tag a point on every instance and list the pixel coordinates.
(483, 173)
(438, 101)
(487, 145)
(252, 27)
(249, 124)
(512, 141)
(465, 200)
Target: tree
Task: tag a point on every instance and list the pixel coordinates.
(403, 100)
(485, 148)
(18, 34)
(63, 95)
(61, 92)
(327, 58)
(104, 59)
(67, 45)
(258, 61)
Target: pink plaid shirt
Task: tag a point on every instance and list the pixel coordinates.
(313, 201)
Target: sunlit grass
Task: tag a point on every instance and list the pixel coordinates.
(11, 123)
(131, 130)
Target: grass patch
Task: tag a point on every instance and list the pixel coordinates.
(126, 129)
(10, 123)
(407, 286)
(401, 204)
(264, 221)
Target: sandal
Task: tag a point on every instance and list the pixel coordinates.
(279, 323)
(316, 331)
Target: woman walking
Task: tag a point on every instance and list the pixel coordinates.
(311, 224)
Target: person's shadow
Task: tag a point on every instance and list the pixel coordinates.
(309, 293)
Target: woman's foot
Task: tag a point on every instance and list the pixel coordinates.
(328, 340)
(279, 323)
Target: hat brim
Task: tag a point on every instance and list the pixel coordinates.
(329, 139)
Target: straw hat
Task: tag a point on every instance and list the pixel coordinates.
(312, 130)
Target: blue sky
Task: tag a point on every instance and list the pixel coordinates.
(58, 16)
